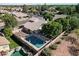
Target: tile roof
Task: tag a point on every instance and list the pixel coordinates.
(3, 41)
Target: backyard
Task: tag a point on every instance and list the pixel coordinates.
(62, 49)
(68, 45)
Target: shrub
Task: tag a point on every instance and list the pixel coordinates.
(54, 47)
(58, 42)
(65, 34)
(62, 38)
(46, 52)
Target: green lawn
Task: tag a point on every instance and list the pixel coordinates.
(13, 44)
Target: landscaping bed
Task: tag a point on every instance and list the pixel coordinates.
(13, 44)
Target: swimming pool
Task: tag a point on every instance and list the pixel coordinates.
(38, 42)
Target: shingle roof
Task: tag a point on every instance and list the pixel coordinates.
(35, 25)
(59, 16)
(19, 14)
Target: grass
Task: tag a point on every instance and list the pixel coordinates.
(13, 44)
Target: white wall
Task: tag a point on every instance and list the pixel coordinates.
(4, 48)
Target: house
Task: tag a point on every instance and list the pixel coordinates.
(4, 45)
(2, 24)
(19, 14)
(4, 11)
(30, 29)
(34, 23)
(59, 16)
(20, 17)
(19, 9)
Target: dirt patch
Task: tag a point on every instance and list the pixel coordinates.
(62, 49)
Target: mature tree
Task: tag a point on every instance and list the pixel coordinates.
(46, 29)
(7, 31)
(69, 23)
(33, 10)
(74, 22)
(64, 22)
(77, 8)
(44, 7)
(48, 16)
(24, 8)
(66, 9)
(52, 29)
(9, 20)
(61, 9)
(57, 28)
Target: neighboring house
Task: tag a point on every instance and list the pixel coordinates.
(20, 17)
(2, 24)
(4, 45)
(19, 14)
(4, 11)
(59, 16)
(19, 9)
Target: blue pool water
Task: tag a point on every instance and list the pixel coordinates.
(38, 42)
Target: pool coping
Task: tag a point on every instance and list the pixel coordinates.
(27, 43)
(32, 45)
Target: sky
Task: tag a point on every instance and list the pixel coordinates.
(36, 1)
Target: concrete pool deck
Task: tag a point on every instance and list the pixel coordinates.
(30, 45)
(23, 38)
